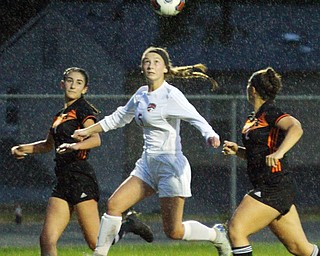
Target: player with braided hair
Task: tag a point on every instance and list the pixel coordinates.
(158, 109)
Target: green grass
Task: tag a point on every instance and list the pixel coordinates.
(165, 249)
(36, 213)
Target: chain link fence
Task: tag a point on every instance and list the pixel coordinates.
(218, 182)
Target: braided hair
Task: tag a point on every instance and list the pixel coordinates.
(267, 83)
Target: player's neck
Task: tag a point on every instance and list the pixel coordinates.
(155, 85)
(257, 104)
(69, 102)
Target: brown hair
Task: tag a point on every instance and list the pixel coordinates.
(194, 71)
(267, 83)
(75, 69)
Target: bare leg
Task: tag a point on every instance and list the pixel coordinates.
(250, 217)
(290, 232)
(57, 218)
(172, 214)
(130, 192)
(89, 220)
(174, 228)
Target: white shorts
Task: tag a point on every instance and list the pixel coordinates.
(168, 174)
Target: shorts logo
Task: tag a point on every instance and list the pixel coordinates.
(83, 195)
(258, 193)
(151, 107)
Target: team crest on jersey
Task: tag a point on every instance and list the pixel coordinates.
(151, 107)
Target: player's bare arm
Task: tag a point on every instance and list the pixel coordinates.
(91, 142)
(42, 146)
(232, 148)
(84, 133)
(293, 133)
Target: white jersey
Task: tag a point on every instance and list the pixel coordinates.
(159, 113)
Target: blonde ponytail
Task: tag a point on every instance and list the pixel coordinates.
(196, 71)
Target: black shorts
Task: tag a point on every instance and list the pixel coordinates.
(278, 193)
(76, 182)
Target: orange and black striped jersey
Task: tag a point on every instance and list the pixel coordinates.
(65, 122)
(261, 137)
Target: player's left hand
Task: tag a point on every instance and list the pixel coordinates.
(273, 159)
(66, 148)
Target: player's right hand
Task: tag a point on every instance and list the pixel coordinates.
(80, 134)
(17, 152)
(229, 148)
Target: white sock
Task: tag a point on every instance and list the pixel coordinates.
(315, 250)
(109, 228)
(194, 230)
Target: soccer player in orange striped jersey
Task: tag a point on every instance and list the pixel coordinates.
(268, 134)
(77, 188)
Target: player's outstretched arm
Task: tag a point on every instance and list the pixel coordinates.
(91, 142)
(84, 133)
(232, 148)
(42, 146)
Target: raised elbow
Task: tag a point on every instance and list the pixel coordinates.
(299, 128)
(301, 131)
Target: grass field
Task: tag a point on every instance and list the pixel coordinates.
(165, 249)
(33, 219)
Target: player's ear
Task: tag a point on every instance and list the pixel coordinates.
(254, 91)
(62, 84)
(84, 90)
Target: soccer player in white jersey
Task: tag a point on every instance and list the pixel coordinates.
(158, 108)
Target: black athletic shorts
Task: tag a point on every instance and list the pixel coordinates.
(76, 182)
(279, 193)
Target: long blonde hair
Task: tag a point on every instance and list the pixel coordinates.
(195, 71)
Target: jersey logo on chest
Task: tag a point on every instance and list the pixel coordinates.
(151, 107)
(63, 118)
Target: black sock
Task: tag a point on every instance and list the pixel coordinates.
(242, 251)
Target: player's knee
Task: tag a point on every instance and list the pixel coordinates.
(235, 231)
(47, 242)
(111, 206)
(176, 234)
(114, 208)
(91, 244)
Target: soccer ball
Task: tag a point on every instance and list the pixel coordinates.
(167, 7)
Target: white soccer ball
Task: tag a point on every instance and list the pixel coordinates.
(167, 7)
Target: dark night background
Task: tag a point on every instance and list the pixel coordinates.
(14, 15)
